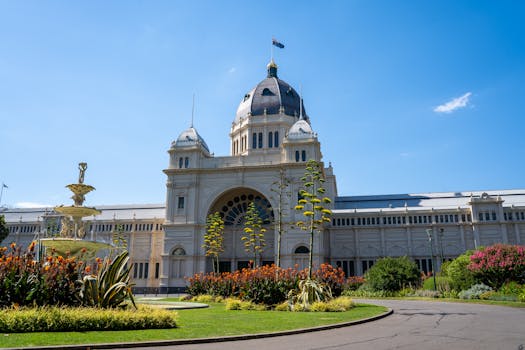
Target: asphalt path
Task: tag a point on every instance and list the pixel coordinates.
(424, 325)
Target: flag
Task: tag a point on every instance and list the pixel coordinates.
(276, 43)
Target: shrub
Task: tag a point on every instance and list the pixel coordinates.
(354, 282)
(57, 319)
(425, 293)
(510, 288)
(521, 296)
(392, 274)
(111, 287)
(460, 277)
(308, 292)
(237, 304)
(284, 306)
(25, 281)
(498, 264)
(474, 292)
(442, 283)
(267, 285)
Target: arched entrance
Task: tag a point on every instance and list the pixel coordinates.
(232, 207)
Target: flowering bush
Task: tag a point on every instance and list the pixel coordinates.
(354, 282)
(474, 292)
(25, 281)
(263, 285)
(498, 264)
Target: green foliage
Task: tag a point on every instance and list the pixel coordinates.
(308, 292)
(425, 293)
(442, 283)
(111, 287)
(312, 204)
(392, 274)
(253, 238)
(474, 292)
(498, 264)
(238, 304)
(25, 281)
(214, 238)
(4, 231)
(57, 319)
(460, 277)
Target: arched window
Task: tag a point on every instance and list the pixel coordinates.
(179, 251)
(276, 139)
(296, 156)
(301, 250)
(270, 139)
(254, 140)
(180, 162)
(267, 92)
(260, 140)
(303, 156)
(186, 162)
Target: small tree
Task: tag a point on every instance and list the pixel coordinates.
(280, 188)
(4, 231)
(214, 238)
(498, 264)
(312, 204)
(253, 237)
(392, 274)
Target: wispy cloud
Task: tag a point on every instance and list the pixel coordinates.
(31, 205)
(455, 103)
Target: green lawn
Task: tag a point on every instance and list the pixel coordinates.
(214, 321)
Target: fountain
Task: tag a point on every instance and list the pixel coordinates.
(72, 227)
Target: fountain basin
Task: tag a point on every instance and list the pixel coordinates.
(77, 211)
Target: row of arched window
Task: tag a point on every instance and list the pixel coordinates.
(300, 156)
(184, 162)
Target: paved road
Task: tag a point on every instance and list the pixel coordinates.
(414, 325)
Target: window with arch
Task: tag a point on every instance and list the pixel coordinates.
(178, 263)
(254, 140)
(270, 139)
(186, 162)
(235, 207)
(276, 139)
(303, 156)
(296, 156)
(260, 140)
(301, 250)
(180, 162)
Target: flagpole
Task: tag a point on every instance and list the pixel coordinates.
(2, 193)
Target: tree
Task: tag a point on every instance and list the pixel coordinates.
(312, 204)
(253, 237)
(214, 238)
(4, 231)
(393, 274)
(280, 188)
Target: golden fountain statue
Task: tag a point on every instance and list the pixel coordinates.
(72, 224)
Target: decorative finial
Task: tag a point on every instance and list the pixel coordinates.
(272, 69)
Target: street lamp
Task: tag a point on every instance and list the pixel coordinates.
(440, 234)
(429, 234)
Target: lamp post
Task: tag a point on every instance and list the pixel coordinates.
(429, 234)
(441, 230)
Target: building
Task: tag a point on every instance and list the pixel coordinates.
(271, 139)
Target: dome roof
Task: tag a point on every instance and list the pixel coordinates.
(190, 137)
(271, 95)
(301, 130)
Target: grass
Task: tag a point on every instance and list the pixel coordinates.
(214, 321)
(515, 304)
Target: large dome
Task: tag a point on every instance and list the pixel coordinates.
(271, 95)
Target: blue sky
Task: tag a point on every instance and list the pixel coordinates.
(406, 96)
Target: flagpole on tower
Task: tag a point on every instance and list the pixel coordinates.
(2, 192)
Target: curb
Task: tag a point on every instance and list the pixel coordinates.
(209, 340)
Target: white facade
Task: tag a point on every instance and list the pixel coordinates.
(271, 139)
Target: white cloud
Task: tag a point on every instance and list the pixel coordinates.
(232, 70)
(31, 205)
(455, 103)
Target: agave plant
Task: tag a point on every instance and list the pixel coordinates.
(309, 291)
(111, 286)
